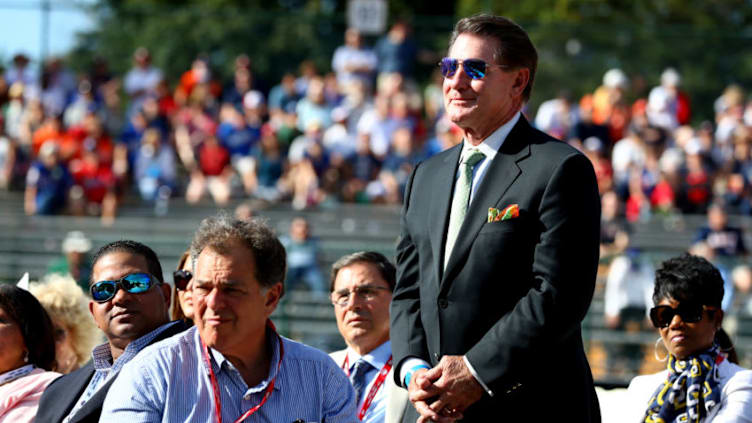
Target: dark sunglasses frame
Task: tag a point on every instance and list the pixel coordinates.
(123, 283)
(474, 68)
(181, 278)
(688, 313)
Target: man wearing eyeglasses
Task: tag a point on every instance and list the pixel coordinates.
(498, 253)
(129, 305)
(361, 289)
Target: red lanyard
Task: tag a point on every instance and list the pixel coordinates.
(215, 387)
(376, 385)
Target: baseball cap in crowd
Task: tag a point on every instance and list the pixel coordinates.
(615, 78)
(76, 242)
(253, 99)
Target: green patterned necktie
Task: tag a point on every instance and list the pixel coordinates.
(461, 198)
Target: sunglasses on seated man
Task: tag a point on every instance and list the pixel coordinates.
(135, 283)
(181, 278)
(474, 68)
(662, 315)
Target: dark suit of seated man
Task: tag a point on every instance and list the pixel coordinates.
(129, 304)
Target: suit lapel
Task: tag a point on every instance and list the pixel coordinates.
(502, 172)
(69, 388)
(93, 406)
(443, 187)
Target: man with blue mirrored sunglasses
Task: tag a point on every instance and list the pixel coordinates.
(133, 283)
(129, 304)
(498, 252)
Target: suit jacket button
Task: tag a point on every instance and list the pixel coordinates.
(443, 303)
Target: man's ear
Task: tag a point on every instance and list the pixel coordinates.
(520, 81)
(272, 297)
(718, 318)
(166, 292)
(91, 311)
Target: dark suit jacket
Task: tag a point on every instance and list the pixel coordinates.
(63, 393)
(514, 292)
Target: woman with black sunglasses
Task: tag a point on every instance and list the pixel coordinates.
(700, 383)
(182, 300)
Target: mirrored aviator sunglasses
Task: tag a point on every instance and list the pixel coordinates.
(662, 315)
(474, 68)
(135, 283)
(181, 278)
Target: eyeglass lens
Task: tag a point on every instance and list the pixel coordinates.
(181, 278)
(365, 293)
(475, 68)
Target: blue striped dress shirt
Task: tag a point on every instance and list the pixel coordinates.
(169, 382)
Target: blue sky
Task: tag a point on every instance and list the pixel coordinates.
(21, 27)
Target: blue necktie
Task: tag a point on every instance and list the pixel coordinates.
(358, 377)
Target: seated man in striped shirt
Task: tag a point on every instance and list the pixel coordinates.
(232, 366)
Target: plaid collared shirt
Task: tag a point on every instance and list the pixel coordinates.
(104, 368)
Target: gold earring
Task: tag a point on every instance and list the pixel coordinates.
(655, 352)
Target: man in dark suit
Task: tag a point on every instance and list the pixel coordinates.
(132, 313)
(498, 253)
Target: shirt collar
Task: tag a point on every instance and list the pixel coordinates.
(102, 357)
(376, 357)
(221, 363)
(491, 145)
(102, 354)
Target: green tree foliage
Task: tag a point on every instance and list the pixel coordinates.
(277, 35)
(578, 41)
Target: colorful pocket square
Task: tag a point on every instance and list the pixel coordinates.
(509, 212)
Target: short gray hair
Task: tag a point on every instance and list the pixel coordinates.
(220, 232)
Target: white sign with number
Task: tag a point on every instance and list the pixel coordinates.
(367, 16)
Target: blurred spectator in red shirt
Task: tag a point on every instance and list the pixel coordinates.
(213, 173)
(604, 174)
(95, 189)
(668, 107)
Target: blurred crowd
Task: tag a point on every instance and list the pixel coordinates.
(78, 143)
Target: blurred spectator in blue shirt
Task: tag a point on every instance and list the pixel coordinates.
(303, 258)
(314, 107)
(725, 240)
(142, 80)
(47, 183)
(154, 168)
(353, 61)
(396, 51)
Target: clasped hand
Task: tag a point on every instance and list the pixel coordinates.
(442, 393)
